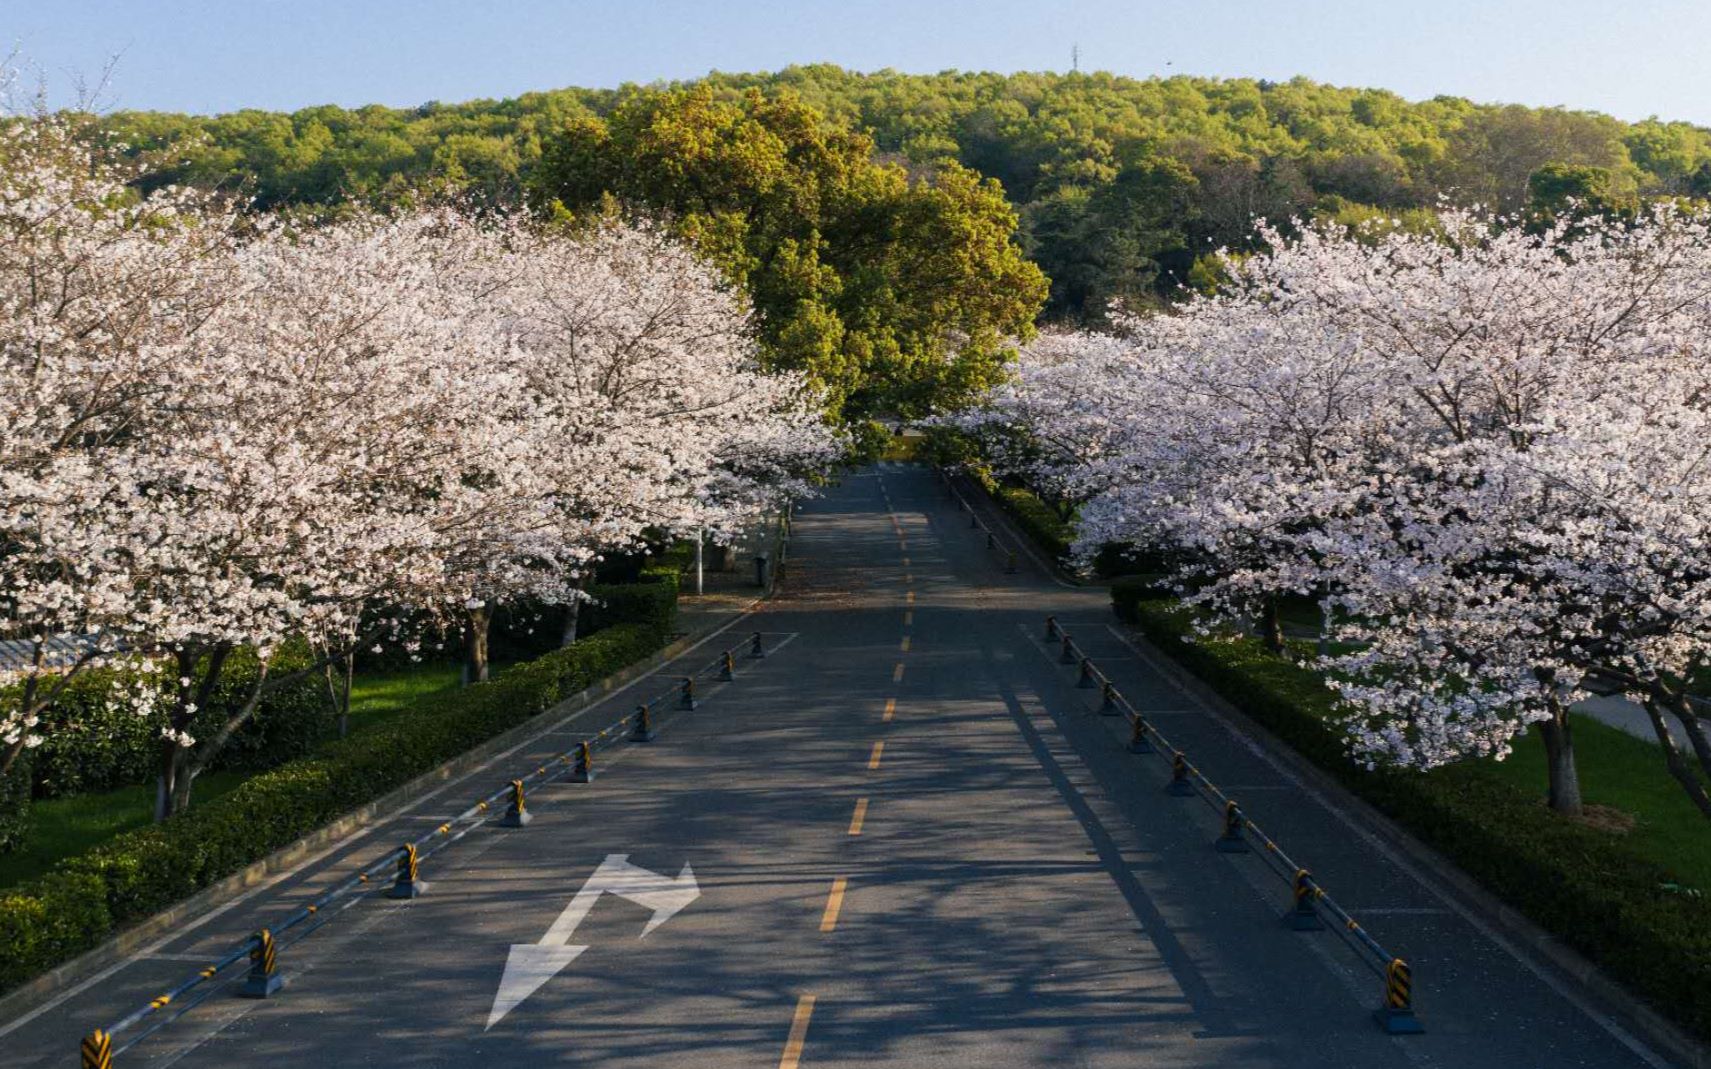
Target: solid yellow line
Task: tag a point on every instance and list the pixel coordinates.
(798, 1033)
(905, 646)
(897, 673)
(834, 902)
(890, 707)
(908, 617)
(858, 816)
(873, 761)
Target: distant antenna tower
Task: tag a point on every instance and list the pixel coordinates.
(1075, 58)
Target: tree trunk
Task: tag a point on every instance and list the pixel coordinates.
(1695, 729)
(1678, 768)
(475, 645)
(172, 783)
(1271, 626)
(571, 614)
(341, 699)
(1564, 775)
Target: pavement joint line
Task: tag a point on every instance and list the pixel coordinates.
(792, 1056)
(859, 817)
(873, 758)
(834, 903)
(1416, 872)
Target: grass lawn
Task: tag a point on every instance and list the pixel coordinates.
(1625, 773)
(63, 827)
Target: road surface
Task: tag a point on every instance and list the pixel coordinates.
(910, 844)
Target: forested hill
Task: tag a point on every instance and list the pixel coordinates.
(1119, 182)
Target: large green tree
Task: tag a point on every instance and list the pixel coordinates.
(897, 292)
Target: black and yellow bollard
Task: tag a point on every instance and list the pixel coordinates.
(1051, 629)
(727, 668)
(1396, 1015)
(1108, 699)
(644, 729)
(1232, 841)
(1010, 563)
(1068, 654)
(686, 695)
(1179, 784)
(756, 650)
(1301, 916)
(516, 812)
(97, 1050)
(584, 770)
(1087, 680)
(406, 884)
(264, 977)
(1138, 741)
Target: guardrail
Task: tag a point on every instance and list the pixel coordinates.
(263, 979)
(999, 546)
(1395, 1013)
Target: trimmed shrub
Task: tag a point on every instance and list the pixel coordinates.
(83, 899)
(90, 746)
(1591, 892)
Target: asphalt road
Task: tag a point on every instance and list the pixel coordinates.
(912, 844)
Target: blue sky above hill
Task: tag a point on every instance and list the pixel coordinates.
(1631, 60)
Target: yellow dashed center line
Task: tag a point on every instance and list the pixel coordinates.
(905, 562)
(908, 618)
(897, 673)
(909, 597)
(834, 902)
(859, 816)
(905, 646)
(798, 1033)
(873, 758)
(890, 708)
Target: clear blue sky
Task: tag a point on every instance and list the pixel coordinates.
(1630, 59)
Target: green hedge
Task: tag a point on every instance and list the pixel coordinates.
(1038, 520)
(92, 745)
(84, 899)
(1584, 888)
(15, 803)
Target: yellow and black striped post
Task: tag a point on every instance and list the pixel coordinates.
(97, 1050)
(516, 812)
(1301, 916)
(686, 696)
(406, 884)
(1138, 741)
(1086, 681)
(1232, 841)
(644, 730)
(1396, 1015)
(756, 650)
(1179, 784)
(1051, 629)
(1068, 654)
(264, 977)
(1108, 698)
(584, 770)
(727, 668)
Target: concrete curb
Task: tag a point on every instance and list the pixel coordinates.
(1604, 994)
(129, 941)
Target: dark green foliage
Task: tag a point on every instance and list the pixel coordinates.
(84, 899)
(1043, 525)
(15, 803)
(92, 747)
(1592, 892)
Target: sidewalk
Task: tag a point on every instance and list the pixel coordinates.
(726, 594)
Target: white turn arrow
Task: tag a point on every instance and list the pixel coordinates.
(530, 965)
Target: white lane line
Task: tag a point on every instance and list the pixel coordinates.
(361, 833)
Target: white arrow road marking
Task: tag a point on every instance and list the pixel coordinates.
(529, 965)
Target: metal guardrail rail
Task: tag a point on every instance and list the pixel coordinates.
(998, 545)
(97, 1049)
(1395, 1013)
